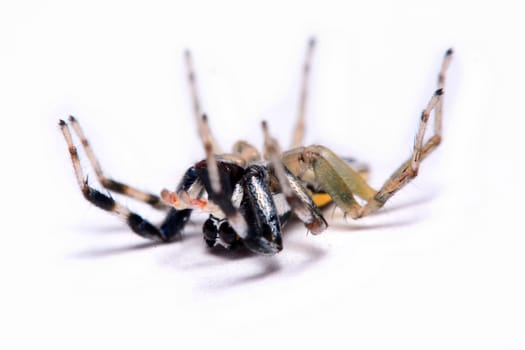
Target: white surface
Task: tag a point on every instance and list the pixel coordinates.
(442, 267)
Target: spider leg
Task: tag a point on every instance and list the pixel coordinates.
(219, 179)
(259, 210)
(441, 85)
(106, 182)
(410, 168)
(139, 225)
(207, 142)
(296, 195)
(303, 97)
(197, 109)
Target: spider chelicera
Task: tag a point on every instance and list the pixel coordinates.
(249, 196)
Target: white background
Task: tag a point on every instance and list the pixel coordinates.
(441, 267)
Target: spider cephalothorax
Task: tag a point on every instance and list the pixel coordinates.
(250, 197)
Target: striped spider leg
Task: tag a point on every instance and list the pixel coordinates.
(293, 190)
(298, 134)
(172, 224)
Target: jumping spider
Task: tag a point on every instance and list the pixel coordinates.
(250, 197)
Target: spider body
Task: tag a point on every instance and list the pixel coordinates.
(249, 196)
(249, 210)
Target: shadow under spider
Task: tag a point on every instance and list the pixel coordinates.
(407, 204)
(267, 266)
(101, 229)
(351, 227)
(128, 248)
(109, 251)
(270, 267)
(339, 221)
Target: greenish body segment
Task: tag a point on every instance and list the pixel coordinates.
(321, 168)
